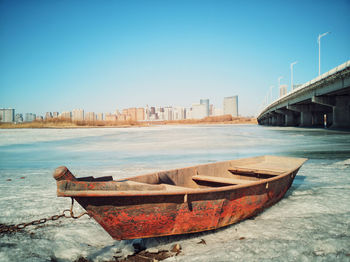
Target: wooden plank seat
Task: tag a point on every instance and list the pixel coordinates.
(174, 188)
(133, 185)
(252, 171)
(221, 180)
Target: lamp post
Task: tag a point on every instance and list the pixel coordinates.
(291, 75)
(319, 50)
(271, 93)
(279, 84)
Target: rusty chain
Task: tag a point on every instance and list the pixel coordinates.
(14, 228)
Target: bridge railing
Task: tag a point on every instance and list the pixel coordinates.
(309, 83)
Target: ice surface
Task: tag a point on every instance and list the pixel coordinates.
(312, 222)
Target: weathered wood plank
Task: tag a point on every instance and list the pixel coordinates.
(221, 180)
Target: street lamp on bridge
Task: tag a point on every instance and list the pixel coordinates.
(319, 50)
(279, 81)
(271, 93)
(291, 75)
(279, 84)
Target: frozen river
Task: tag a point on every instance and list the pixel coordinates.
(312, 222)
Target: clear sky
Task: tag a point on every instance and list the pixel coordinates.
(57, 55)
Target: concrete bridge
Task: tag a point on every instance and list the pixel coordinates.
(323, 101)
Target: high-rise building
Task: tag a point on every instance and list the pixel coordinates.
(140, 114)
(65, 115)
(147, 113)
(168, 113)
(206, 103)
(211, 110)
(29, 117)
(99, 116)
(199, 111)
(110, 117)
(48, 115)
(231, 106)
(283, 90)
(179, 113)
(19, 118)
(55, 114)
(131, 112)
(159, 113)
(78, 115)
(7, 115)
(90, 116)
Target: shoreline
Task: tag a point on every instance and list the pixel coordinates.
(126, 124)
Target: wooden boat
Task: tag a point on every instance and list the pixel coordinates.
(184, 200)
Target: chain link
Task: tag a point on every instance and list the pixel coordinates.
(14, 228)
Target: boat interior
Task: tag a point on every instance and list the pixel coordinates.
(220, 174)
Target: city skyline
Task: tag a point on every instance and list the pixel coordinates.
(59, 55)
(149, 113)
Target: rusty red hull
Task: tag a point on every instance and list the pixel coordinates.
(164, 215)
(128, 216)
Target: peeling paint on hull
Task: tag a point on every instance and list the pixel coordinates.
(181, 201)
(125, 218)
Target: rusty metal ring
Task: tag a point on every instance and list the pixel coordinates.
(55, 217)
(42, 221)
(21, 226)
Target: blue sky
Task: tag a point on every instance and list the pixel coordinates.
(102, 55)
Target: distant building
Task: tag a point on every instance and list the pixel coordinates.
(19, 118)
(211, 110)
(179, 113)
(188, 113)
(206, 103)
(48, 115)
(78, 115)
(230, 106)
(99, 116)
(199, 111)
(65, 115)
(133, 114)
(39, 118)
(153, 117)
(167, 113)
(7, 115)
(55, 114)
(140, 114)
(110, 117)
(90, 116)
(147, 113)
(283, 90)
(29, 117)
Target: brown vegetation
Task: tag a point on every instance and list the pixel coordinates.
(225, 119)
(67, 123)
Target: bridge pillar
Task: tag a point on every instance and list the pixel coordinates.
(329, 119)
(305, 118)
(287, 117)
(318, 119)
(341, 112)
(280, 119)
(274, 120)
(290, 119)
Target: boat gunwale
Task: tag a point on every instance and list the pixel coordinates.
(106, 193)
(129, 193)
